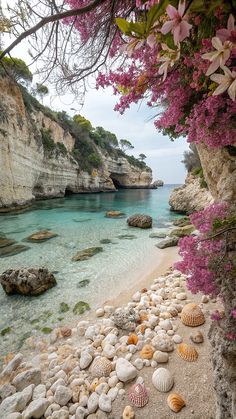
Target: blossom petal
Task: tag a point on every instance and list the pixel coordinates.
(184, 30)
(218, 78)
(167, 27)
(214, 66)
(172, 12)
(221, 89)
(230, 24)
(210, 55)
(176, 33)
(181, 7)
(151, 40)
(225, 56)
(223, 34)
(216, 42)
(232, 90)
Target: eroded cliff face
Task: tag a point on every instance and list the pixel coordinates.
(190, 197)
(28, 172)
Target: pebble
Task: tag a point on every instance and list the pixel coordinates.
(12, 365)
(109, 351)
(138, 363)
(161, 357)
(112, 381)
(39, 392)
(205, 299)
(17, 402)
(60, 414)
(80, 413)
(102, 388)
(25, 378)
(6, 390)
(14, 416)
(93, 403)
(177, 339)
(62, 395)
(112, 393)
(85, 360)
(181, 296)
(105, 403)
(100, 312)
(59, 382)
(165, 324)
(125, 370)
(128, 413)
(36, 409)
(52, 408)
(163, 343)
(197, 337)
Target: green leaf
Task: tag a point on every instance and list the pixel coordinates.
(154, 13)
(138, 28)
(123, 25)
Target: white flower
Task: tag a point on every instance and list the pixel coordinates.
(219, 57)
(226, 81)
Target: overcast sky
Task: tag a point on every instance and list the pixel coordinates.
(163, 155)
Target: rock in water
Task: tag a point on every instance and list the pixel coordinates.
(86, 253)
(140, 220)
(114, 214)
(173, 241)
(4, 242)
(27, 281)
(41, 236)
(12, 250)
(182, 231)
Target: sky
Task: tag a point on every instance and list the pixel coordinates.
(163, 156)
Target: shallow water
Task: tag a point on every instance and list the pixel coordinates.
(80, 222)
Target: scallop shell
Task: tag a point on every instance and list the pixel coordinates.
(163, 380)
(101, 367)
(187, 352)
(147, 352)
(138, 395)
(175, 402)
(132, 339)
(192, 315)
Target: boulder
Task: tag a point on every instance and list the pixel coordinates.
(172, 241)
(140, 220)
(27, 281)
(181, 222)
(182, 231)
(157, 183)
(41, 236)
(86, 253)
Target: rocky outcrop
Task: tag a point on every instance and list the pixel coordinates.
(27, 281)
(28, 172)
(190, 197)
(219, 168)
(157, 183)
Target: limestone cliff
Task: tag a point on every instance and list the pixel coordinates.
(190, 197)
(28, 171)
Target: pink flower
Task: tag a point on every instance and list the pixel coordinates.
(216, 316)
(219, 57)
(228, 34)
(234, 313)
(177, 25)
(226, 81)
(169, 59)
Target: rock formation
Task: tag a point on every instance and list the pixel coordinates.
(27, 281)
(190, 197)
(28, 172)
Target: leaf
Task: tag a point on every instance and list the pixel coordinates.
(138, 28)
(154, 13)
(123, 25)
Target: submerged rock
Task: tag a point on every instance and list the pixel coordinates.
(81, 307)
(172, 241)
(12, 250)
(182, 231)
(83, 283)
(140, 220)
(64, 307)
(41, 236)
(157, 235)
(115, 214)
(105, 241)
(27, 281)
(4, 242)
(86, 253)
(127, 237)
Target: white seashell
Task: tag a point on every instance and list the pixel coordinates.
(163, 380)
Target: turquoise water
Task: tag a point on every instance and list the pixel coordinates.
(80, 222)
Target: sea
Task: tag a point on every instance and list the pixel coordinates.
(80, 222)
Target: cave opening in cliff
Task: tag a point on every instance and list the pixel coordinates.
(68, 191)
(116, 182)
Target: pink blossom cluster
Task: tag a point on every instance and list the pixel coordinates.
(203, 220)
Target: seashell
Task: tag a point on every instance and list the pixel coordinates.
(101, 367)
(187, 352)
(175, 402)
(138, 395)
(128, 413)
(142, 328)
(65, 332)
(197, 337)
(143, 317)
(147, 352)
(132, 339)
(192, 315)
(163, 380)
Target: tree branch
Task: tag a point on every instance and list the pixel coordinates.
(48, 19)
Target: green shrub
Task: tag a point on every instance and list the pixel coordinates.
(61, 148)
(95, 160)
(47, 140)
